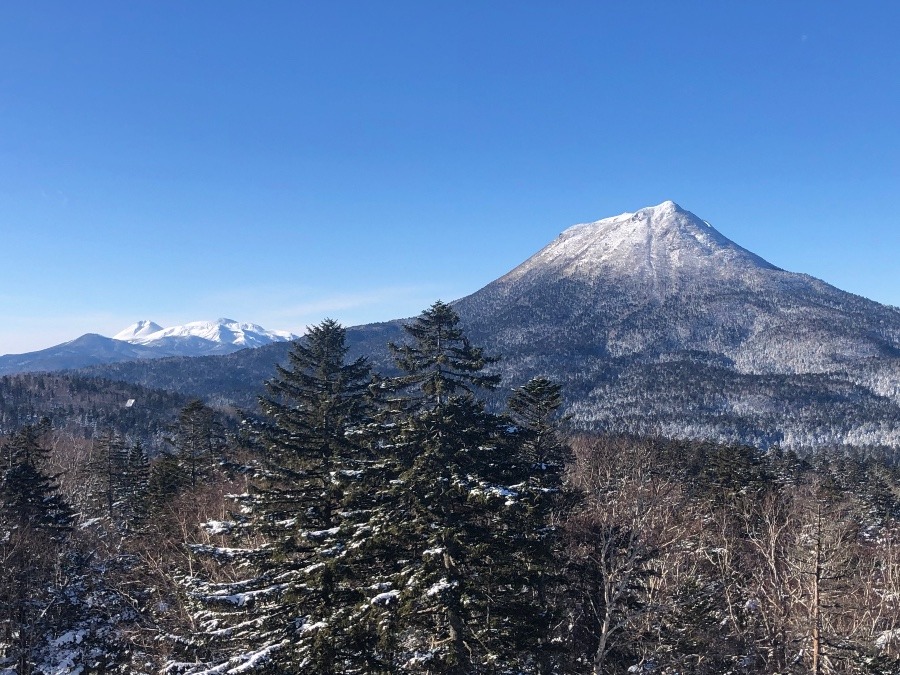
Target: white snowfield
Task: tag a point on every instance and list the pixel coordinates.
(219, 332)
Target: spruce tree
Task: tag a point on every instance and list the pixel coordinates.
(462, 571)
(302, 609)
(535, 583)
(104, 475)
(441, 361)
(136, 484)
(198, 440)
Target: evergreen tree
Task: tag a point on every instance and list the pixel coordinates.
(532, 538)
(104, 475)
(167, 477)
(136, 484)
(302, 610)
(462, 582)
(34, 524)
(441, 361)
(198, 440)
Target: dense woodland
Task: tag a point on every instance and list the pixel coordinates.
(83, 407)
(367, 523)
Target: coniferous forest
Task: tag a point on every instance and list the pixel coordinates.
(366, 523)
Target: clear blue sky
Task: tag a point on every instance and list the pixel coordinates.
(280, 162)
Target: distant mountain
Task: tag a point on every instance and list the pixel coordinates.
(202, 337)
(654, 322)
(89, 349)
(145, 340)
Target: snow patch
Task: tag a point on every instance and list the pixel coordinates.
(440, 587)
(385, 598)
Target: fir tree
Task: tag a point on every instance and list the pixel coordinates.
(104, 475)
(167, 477)
(136, 484)
(198, 440)
(441, 361)
(302, 610)
(531, 536)
(462, 573)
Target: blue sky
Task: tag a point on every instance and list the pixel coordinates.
(282, 162)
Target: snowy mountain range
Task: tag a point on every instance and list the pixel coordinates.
(200, 337)
(654, 322)
(146, 340)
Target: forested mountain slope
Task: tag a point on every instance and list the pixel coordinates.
(87, 407)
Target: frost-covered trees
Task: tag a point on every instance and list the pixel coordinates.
(397, 525)
(114, 481)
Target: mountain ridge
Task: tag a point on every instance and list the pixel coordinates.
(145, 339)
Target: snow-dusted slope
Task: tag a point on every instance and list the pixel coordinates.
(662, 279)
(205, 337)
(653, 322)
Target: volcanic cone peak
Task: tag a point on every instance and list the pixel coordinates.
(662, 244)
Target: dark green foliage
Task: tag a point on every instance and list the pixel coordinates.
(441, 361)
(531, 533)
(443, 529)
(29, 498)
(105, 476)
(136, 485)
(471, 589)
(300, 607)
(316, 399)
(35, 522)
(167, 477)
(533, 408)
(198, 440)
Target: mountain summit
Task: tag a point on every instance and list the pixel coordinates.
(138, 330)
(664, 246)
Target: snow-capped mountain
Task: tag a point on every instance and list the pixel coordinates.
(662, 280)
(663, 247)
(656, 322)
(146, 340)
(222, 335)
